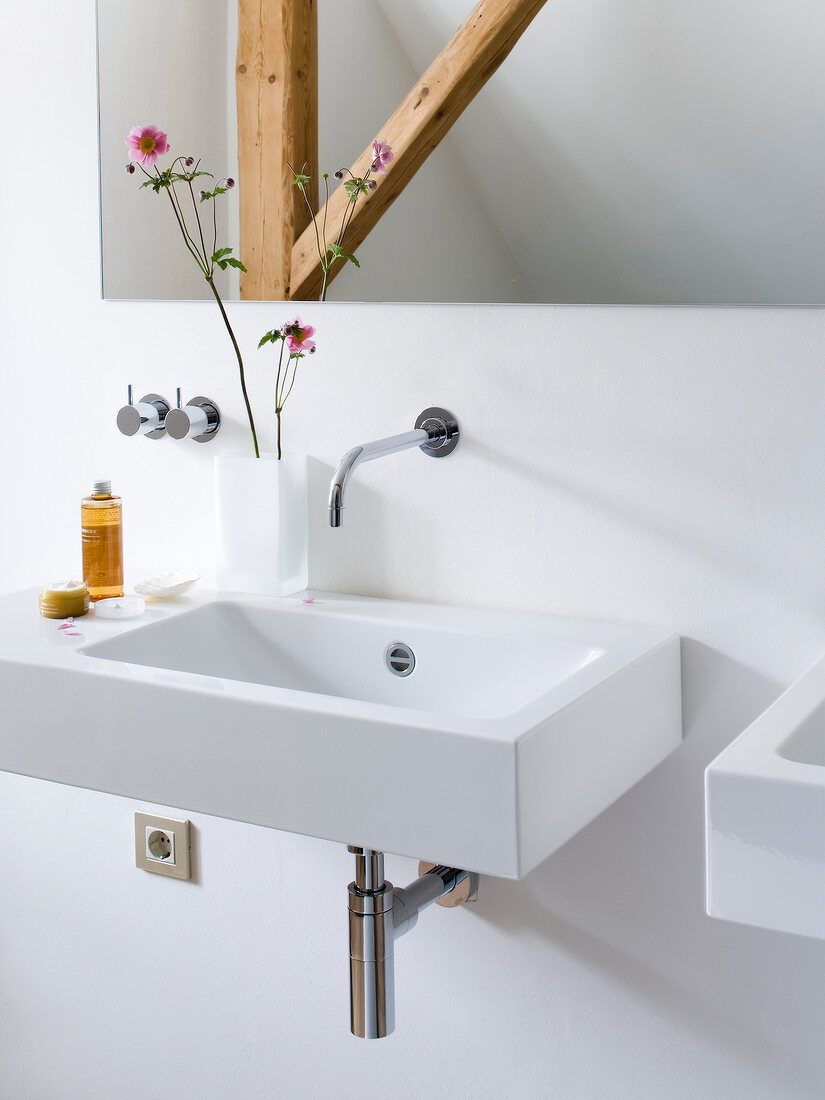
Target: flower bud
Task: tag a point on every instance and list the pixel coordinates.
(203, 195)
(189, 161)
(339, 175)
(372, 185)
(130, 168)
(230, 182)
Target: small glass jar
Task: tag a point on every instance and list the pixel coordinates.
(63, 601)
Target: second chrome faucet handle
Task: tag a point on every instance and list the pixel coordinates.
(199, 419)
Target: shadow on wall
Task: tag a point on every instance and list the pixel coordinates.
(337, 555)
(625, 897)
(364, 556)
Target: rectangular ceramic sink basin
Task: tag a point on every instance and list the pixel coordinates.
(479, 739)
(305, 648)
(765, 816)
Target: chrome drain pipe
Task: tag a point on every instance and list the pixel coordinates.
(378, 915)
(371, 949)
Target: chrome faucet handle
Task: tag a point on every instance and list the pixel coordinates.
(147, 417)
(198, 419)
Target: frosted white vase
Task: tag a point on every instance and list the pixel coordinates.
(261, 511)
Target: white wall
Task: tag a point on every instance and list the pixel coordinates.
(653, 152)
(166, 66)
(658, 465)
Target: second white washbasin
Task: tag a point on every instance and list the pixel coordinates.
(765, 816)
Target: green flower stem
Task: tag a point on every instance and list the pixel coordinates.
(170, 191)
(294, 359)
(349, 209)
(198, 219)
(214, 290)
(326, 207)
(326, 264)
(278, 402)
(205, 262)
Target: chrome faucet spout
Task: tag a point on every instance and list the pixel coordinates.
(365, 453)
(435, 432)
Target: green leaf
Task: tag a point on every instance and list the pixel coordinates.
(355, 187)
(184, 177)
(301, 180)
(168, 178)
(156, 182)
(230, 261)
(220, 254)
(211, 194)
(271, 337)
(338, 253)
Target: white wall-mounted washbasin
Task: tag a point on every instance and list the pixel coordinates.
(512, 732)
(765, 816)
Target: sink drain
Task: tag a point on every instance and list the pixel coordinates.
(399, 659)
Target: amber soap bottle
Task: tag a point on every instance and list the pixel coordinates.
(101, 521)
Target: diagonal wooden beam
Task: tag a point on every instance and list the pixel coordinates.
(276, 80)
(432, 106)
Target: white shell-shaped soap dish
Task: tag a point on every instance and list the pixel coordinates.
(166, 585)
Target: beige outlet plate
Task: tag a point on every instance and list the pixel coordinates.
(162, 846)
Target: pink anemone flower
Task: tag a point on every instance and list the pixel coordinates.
(146, 144)
(298, 337)
(382, 154)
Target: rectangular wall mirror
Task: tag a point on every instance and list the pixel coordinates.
(625, 151)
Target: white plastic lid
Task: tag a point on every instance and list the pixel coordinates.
(119, 607)
(101, 488)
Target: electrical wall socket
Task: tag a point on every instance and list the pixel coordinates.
(162, 845)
